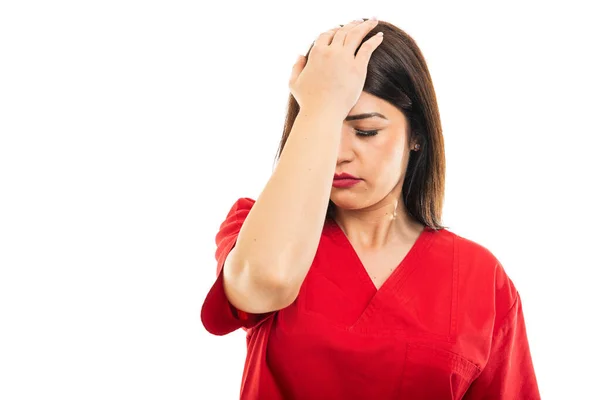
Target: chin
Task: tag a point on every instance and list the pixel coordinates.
(347, 203)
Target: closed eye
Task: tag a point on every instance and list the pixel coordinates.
(366, 133)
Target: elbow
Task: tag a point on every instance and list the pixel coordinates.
(285, 287)
(254, 289)
(284, 293)
(278, 290)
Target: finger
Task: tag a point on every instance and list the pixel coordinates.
(367, 48)
(358, 33)
(340, 35)
(324, 38)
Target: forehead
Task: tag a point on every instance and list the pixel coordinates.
(370, 103)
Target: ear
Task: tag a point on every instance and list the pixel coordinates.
(414, 139)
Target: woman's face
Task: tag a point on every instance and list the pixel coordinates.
(379, 161)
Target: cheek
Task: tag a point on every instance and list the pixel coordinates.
(388, 160)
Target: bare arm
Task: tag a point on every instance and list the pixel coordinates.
(279, 238)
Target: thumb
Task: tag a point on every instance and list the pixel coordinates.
(297, 68)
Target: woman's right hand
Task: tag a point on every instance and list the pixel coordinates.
(333, 78)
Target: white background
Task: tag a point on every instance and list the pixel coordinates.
(128, 129)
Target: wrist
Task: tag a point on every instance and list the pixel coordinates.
(323, 112)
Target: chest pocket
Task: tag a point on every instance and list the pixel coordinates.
(435, 373)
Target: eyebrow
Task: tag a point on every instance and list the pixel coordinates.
(364, 116)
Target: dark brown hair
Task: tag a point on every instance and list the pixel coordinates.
(398, 74)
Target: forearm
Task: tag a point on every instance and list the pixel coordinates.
(280, 235)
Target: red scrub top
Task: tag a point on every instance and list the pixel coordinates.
(446, 324)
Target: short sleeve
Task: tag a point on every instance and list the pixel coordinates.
(218, 315)
(508, 373)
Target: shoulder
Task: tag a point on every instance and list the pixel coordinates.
(232, 223)
(238, 211)
(468, 253)
(471, 254)
(482, 275)
(243, 205)
(468, 249)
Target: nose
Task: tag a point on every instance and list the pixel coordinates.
(346, 147)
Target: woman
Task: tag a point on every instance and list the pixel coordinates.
(340, 273)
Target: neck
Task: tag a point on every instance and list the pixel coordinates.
(378, 226)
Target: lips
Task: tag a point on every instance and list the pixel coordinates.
(345, 183)
(344, 175)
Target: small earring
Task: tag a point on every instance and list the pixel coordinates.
(417, 147)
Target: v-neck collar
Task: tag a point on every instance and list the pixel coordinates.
(396, 277)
